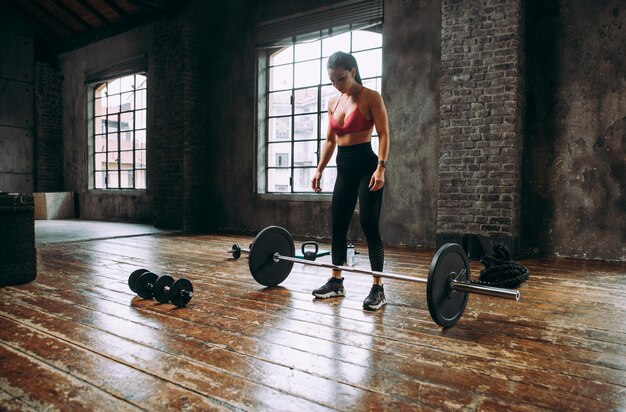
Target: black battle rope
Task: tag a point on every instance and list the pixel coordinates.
(500, 271)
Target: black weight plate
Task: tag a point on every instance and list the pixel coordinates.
(143, 285)
(236, 251)
(134, 276)
(161, 288)
(177, 297)
(447, 308)
(270, 240)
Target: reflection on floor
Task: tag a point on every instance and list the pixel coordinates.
(76, 230)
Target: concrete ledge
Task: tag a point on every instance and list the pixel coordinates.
(54, 205)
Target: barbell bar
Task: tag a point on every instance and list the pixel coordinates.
(271, 258)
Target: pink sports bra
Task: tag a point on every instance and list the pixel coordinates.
(354, 122)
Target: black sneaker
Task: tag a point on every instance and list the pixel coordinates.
(332, 288)
(376, 299)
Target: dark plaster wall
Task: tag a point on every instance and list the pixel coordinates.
(574, 168)
(98, 205)
(17, 91)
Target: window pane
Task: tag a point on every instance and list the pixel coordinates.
(100, 91)
(374, 84)
(140, 119)
(370, 63)
(100, 143)
(113, 180)
(114, 86)
(128, 102)
(99, 180)
(140, 159)
(140, 81)
(281, 78)
(140, 99)
(302, 179)
(112, 141)
(328, 179)
(100, 105)
(100, 126)
(127, 84)
(140, 179)
(112, 159)
(335, 43)
(305, 100)
(113, 103)
(279, 155)
(279, 103)
(112, 123)
(328, 92)
(101, 161)
(126, 159)
(305, 154)
(279, 129)
(126, 140)
(126, 121)
(362, 39)
(126, 179)
(140, 139)
(307, 73)
(307, 51)
(278, 180)
(305, 127)
(282, 56)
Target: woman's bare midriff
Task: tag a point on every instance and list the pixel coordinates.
(350, 139)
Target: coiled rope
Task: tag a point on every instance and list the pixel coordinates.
(500, 270)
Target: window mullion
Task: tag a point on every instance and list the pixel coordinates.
(293, 119)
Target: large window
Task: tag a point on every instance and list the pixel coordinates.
(119, 133)
(296, 96)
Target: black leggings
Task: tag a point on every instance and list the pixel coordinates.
(355, 166)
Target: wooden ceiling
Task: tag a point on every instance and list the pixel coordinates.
(68, 24)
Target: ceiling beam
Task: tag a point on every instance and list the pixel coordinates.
(94, 12)
(117, 9)
(52, 17)
(72, 14)
(159, 6)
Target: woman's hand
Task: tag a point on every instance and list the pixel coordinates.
(378, 179)
(315, 182)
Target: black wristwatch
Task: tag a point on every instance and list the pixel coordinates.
(383, 163)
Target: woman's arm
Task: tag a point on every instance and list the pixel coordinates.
(379, 114)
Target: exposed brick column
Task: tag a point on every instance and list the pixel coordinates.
(48, 136)
(481, 119)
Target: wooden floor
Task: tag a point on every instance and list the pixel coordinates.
(78, 339)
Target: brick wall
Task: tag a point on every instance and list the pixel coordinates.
(165, 162)
(480, 118)
(48, 135)
(180, 139)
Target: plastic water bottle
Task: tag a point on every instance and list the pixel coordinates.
(350, 255)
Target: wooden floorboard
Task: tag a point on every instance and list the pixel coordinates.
(78, 339)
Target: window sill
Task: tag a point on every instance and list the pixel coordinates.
(118, 192)
(296, 197)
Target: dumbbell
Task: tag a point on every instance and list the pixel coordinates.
(163, 288)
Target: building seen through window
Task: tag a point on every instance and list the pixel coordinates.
(119, 133)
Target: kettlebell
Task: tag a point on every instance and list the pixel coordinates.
(310, 254)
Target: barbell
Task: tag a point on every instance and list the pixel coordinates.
(271, 258)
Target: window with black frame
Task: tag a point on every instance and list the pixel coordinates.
(294, 88)
(118, 131)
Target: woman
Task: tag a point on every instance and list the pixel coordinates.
(360, 173)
